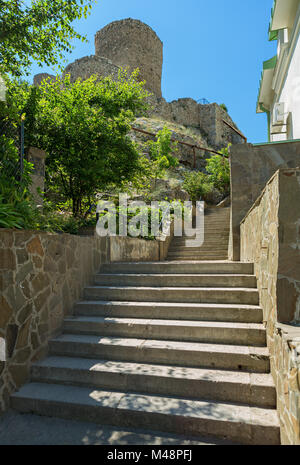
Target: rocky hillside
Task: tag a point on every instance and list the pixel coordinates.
(171, 184)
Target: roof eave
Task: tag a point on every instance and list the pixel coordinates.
(265, 90)
(282, 16)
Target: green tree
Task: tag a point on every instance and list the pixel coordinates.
(161, 153)
(219, 171)
(84, 129)
(197, 185)
(39, 30)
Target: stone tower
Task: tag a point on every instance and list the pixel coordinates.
(129, 43)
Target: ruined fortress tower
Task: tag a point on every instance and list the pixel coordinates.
(128, 43)
(131, 44)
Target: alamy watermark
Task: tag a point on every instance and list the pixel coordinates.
(139, 219)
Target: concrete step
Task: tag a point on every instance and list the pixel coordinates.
(248, 425)
(168, 311)
(200, 267)
(203, 256)
(213, 235)
(212, 231)
(239, 295)
(192, 383)
(208, 242)
(21, 429)
(192, 251)
(176, 280)
(197, 253)
(169, 330)
(199, 256)
(207, 245)
(186, 354)
(221, 223)
(216, 230)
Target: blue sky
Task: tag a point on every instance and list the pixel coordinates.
(212, 49)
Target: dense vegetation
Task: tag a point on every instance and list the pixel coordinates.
(201, 185)
(84, 129)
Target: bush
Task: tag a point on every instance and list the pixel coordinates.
(197, 185)
(161, 154)
(146, 212)
(218, 169)
(16, 207)
(9, 218)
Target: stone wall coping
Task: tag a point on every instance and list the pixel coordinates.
(290, 333)
(41, 233)
(258, 200)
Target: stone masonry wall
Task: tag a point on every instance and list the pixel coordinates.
(207, 119)
(129, 43)
(87, 66)
(41, 277)
(251, 168)
(270, 237)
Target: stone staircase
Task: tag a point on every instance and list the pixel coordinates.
(177, 347)
(216, 238)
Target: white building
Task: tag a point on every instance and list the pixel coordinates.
(279, 93)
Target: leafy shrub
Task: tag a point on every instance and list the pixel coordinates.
(147, 212)
(161, 153)
(16, 207)
(9, 218)
(218, 169)
(197, 185)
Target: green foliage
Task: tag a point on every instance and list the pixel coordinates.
(83, 126)
(60, 222)
(161, 150)
(219, 171)
(197, 185)
(150, 213)
(223, 106)
(37, 30)
(9, 218)
(160, 159)
(16, 209)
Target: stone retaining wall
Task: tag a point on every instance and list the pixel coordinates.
(270, 237)
(251, 168)
(41, 277)
(129, 249)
